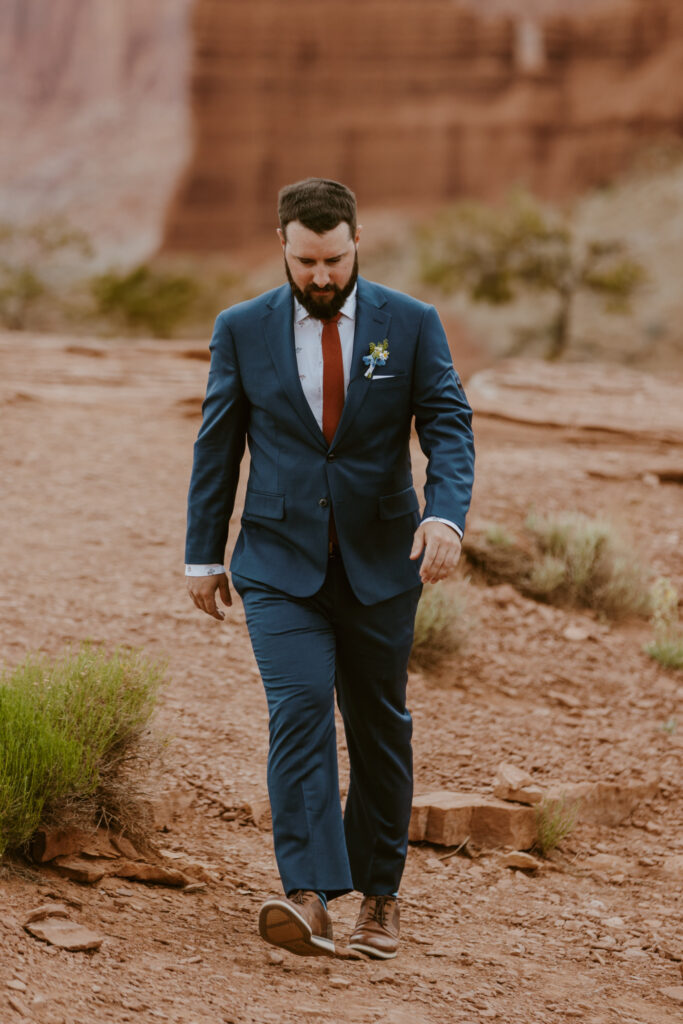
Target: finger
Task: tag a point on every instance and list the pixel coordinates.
(418, 543)
(432, 560)
(224, 589)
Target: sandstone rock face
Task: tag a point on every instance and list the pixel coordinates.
(439, 100)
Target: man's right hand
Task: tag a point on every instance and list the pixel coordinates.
(202, 590)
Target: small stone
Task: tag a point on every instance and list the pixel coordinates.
(605, 942)
(275, 958)
(674, 992)
(633, 953)
(335, 981)
(512, 783)
(155, 873)
(614, 922)
(18, 1006)
(672, 867)
(65, 934)
(195, 887)
(17, 986)
(126, 848)
(576, 633)
(521, 860)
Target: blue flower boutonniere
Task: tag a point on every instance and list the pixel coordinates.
(379, 353)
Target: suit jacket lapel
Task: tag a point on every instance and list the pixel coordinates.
(278, 325)
(372, 324)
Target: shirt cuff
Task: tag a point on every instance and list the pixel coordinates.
(447, 522)
(204, 570)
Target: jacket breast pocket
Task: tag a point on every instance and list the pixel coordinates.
(263, 505)
(381, 383)
(403, 503)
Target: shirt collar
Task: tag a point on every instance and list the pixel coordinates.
(347, 310)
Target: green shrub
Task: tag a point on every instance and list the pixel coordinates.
(569, 560)
(556, 818)
(443, 622)
(146, 299)
(667, 646)
(66, 729)
(584, 562)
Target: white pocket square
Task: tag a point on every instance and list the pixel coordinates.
(383, 376)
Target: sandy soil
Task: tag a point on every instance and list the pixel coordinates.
(95, 448)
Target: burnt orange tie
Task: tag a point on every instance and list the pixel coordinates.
(333, 377)
(333, 391)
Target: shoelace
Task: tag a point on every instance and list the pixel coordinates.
(299, 896)
(379, 910)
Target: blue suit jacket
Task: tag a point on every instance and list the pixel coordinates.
(254, 395)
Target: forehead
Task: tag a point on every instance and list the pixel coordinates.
(306, 243)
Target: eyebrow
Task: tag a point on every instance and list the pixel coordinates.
(312, 259)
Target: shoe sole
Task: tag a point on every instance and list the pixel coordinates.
(281, 926)
(376, 954)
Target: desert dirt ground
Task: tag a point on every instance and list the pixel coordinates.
(95, 449)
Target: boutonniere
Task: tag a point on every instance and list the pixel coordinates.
(379, 353)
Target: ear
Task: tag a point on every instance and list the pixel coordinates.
(281, 236)
(358, 231)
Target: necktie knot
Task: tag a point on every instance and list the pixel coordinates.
(333, 319)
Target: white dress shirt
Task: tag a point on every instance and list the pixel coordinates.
(309, 360)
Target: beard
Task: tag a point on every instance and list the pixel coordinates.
(315, 305)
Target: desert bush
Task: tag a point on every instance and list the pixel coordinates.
(568, 559)
(667, 646)
(67, 729)
(443, 622)
(556, 818)
(33, 267)
(585, 562)
(145, 299)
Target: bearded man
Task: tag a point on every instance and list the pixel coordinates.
(323, 377)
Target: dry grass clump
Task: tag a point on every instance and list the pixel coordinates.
(68, 730)
(569, 560)
(443, 622)
(556, 818)
(667, 646)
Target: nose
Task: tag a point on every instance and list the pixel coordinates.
(321, 277)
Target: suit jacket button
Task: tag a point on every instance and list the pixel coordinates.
(323, 502)
(331, 456)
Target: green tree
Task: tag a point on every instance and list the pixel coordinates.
(496, 253)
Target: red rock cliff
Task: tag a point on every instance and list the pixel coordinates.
(417, 100)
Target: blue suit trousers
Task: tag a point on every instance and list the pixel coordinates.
(307, 649)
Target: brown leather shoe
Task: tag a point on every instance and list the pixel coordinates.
(299, 924)
(377, 927)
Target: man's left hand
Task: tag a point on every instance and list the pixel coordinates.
(441, 545)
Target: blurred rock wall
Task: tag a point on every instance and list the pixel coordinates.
(412, 101)
(94, 119)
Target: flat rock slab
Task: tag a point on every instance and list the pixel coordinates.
(580, 396)
(80, 870)
(65, 934)
(448, 819)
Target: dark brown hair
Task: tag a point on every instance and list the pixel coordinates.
(318, 203)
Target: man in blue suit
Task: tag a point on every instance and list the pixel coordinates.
(323, 378)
